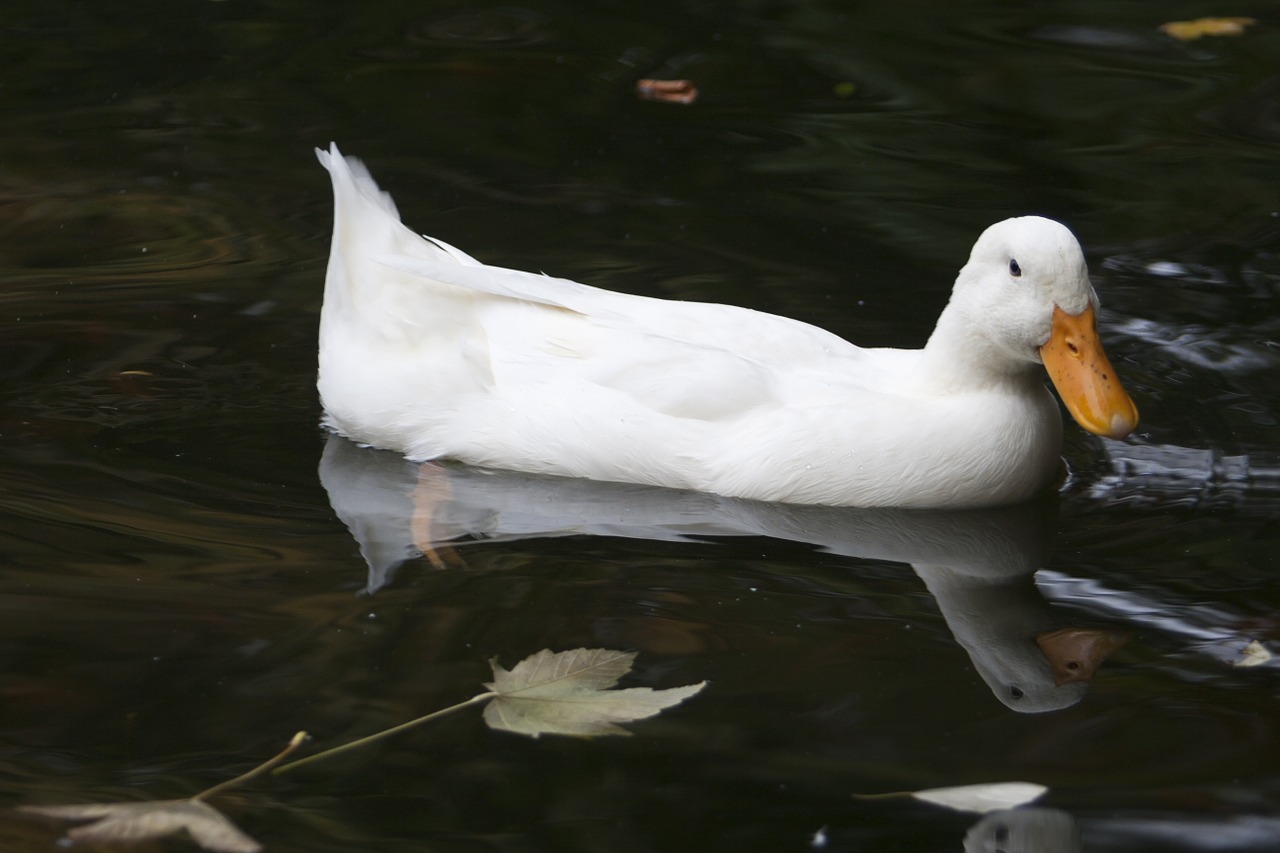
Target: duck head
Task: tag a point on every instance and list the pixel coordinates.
(1026, 287)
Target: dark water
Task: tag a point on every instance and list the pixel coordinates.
(181, 586)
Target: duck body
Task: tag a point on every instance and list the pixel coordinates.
(426, 351)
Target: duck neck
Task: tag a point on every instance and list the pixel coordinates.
(959, 359)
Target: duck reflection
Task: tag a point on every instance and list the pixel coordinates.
(1026, 830)
(978, 565)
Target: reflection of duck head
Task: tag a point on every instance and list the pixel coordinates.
(978, 564)
(1026, 830)
(1014, 638)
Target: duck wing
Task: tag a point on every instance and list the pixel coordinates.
(690, 359)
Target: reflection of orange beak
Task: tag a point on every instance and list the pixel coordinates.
(1074, 654)
(1084, 377)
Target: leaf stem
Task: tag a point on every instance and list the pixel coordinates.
(298, 740)
(376, 736)
(887, 795)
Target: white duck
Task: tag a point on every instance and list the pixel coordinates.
(426, 351)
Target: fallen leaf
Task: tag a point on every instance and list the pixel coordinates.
(671, 91)
(568, 693)
(1192, 30)
(1254, 654)
(132, 822)
(563, 693)
(152, 819)
(985, 798)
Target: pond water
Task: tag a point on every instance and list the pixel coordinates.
(193, 571)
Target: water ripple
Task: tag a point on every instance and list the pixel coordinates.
(484, 28)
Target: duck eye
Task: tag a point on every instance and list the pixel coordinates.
(1014, 269)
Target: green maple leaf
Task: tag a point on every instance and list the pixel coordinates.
(561, 693)
(569, 694)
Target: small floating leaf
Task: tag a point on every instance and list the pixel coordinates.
(985, 798)
(568, 693)
(1254, 654)
(670, 91)
(1192, 30)
(134, 822)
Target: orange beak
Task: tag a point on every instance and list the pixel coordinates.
(1084, 377)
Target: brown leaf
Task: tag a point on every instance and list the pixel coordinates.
(568, 693)
(144, 821)
(1192, 30)
(670, 91)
